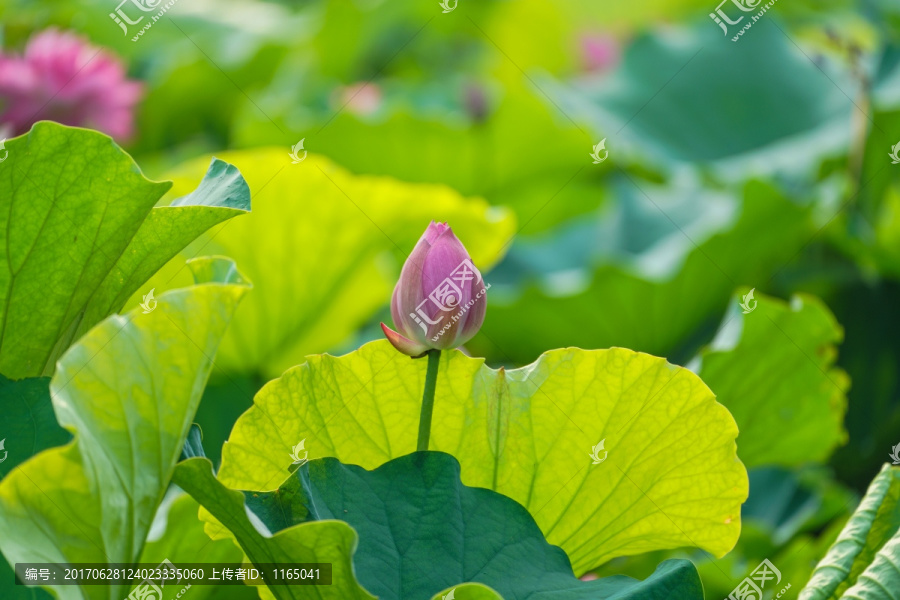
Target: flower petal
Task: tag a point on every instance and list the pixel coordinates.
(402, 344)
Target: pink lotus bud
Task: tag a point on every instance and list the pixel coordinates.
(440, 300)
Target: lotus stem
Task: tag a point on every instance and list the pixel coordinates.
(434, 359)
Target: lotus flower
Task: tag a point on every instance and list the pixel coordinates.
(63, 78)
(439, 301)
(599, 51)
(362, 98)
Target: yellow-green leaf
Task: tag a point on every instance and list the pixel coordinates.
(80, 234)
(671, 477)
(328, 541)
(127, 391)
(774, 370)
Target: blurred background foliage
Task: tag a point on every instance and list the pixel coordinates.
(759, 164)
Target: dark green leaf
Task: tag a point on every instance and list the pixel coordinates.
(327, 542)
(29, 423)
(421, 530)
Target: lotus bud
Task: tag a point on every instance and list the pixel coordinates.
(440, 299)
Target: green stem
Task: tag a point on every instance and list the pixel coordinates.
(434, 359)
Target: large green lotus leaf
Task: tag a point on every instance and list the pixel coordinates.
(783, 510)
(689, 96)
(773, 368)
(127, 391)
(80, 234)
(343, 238)
(324, 542)
(29, 424)
(671, 477)
(660, 268)
(864, 562)
(421, 530)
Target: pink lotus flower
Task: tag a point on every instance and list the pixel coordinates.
(599, 52)
(439, 301)
(359, 98)
(63, 78)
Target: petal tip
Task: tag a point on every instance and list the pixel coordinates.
(403, 344)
